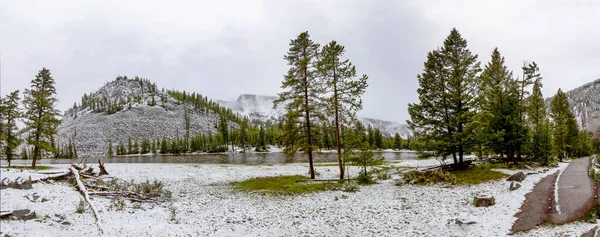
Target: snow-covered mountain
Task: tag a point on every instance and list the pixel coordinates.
(585, 104)
(92, 129)
(261, 107)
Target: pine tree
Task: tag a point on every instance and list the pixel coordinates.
(154, 147)
(447, 90)
(261, 145)
(302, 87)
(123, 151)
(378, 137)
(129, 146)
(397, 142)
(41, 116)
(562, 116)
(345, 89)
(186, 120)
(110, 149)
(537, 115)
(24, 155)
(145, 146)
(164, 147)
(136, 148)
(370, 136)
(244, 134)
(10, 113)
(500, 105)
(223, 130)
(291, 135)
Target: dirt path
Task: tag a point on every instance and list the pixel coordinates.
(575, 192)
(535, 209)
(591, 233)
(559, 198)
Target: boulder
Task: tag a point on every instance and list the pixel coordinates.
(520, 176)
(24, 214)
(484, 200)
(514, 186)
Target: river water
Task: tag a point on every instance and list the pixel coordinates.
(222, 158)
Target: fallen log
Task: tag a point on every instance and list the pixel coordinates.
(52, 177)
(4, 214)
(86, 196)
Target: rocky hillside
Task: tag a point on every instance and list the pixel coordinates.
(585, 104)
(261, 107)
(126, 108)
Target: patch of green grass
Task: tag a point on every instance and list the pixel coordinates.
(502, 165)
(285, 185)
(477, 175)
(38, 167)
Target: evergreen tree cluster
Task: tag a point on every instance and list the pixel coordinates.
(464, 109)
(100, 102)
(40, 116)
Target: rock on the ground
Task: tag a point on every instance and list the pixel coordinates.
(462, 221)
(24, 214)
(19, 183)
(520, 176)
(514, 186)
(484, 200)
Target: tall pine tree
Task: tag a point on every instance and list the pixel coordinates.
(540, 134)
(10, 113)
(41, 116)
(562, 119)
(345, 89)
(302, 87)
(500, 106)
(447, 90)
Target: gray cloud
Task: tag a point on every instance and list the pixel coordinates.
(224, 48)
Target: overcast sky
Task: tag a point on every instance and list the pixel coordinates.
(222, 49)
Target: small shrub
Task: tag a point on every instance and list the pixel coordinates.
(137, 205)
(428, 177)
(80, 208)
(383, 176)
(364, 178)
(349, 187)
(173, 211)
(117, 204)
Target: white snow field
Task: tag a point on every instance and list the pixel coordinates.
(205, 204)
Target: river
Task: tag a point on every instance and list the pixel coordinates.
(223, 158)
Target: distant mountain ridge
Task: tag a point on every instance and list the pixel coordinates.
(261, 107)
(585, 105)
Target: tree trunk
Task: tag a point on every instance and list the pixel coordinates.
(307, 115)
(337, 125)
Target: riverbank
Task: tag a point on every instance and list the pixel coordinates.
(205, 204)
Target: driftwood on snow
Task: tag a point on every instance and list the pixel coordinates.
(102, 169)
(86, 196)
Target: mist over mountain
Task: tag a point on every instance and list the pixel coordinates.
(262, 108)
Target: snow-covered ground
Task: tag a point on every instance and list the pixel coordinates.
(205, 204)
